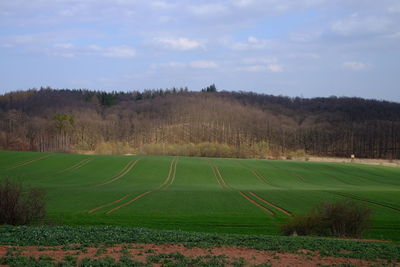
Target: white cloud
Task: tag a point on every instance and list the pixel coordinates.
(355, 25)
(171, 64)
(275, 68)
(181, 43)
(305, 37)
(203, 64)
(355, 65)
(70, 50)
(264, 68)
(253, 43)
(64, 46)
(161, 5)
(195, 64)
(206, 10)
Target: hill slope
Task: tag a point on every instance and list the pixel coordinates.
(229, 124)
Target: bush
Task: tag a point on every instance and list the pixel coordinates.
(18, 206)
(342, 219)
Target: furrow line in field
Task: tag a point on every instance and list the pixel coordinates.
(288, 213)
(216, 176)
(337, 179)
(170, 172)
(109, 204)
(172, 179)
(215, 173)
(298, 176)
(259, 176)
(127, 169)
(224, 185)
(27, 162)
(364, 178)
(168, 181)
(256, 204)
(129, 202)
(77, 165)
(364, 200)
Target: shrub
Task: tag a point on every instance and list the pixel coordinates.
(341, 219)
(19, 206)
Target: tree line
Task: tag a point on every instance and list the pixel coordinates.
(207, 123)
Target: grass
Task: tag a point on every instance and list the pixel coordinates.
(202, 195)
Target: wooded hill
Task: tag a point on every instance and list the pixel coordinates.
(207, 123)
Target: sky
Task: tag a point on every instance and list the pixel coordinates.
(306, 48)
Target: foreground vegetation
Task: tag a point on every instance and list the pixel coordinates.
(110, 235)
(200, 194)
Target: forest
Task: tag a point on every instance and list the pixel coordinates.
(207, 123)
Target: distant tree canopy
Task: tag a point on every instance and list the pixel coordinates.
(240, 124)
(210, 89)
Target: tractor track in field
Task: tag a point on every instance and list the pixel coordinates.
(364, 178)
(288, 213)
(364, 200)
(109, 204)
(167, 182)
(295, 174)
(224, 185)
(218, 176)
(76, 166)
(171, 175)
(121, 173)
(336, 178)
(27, 162)
(129, 202)
(256, 203)
(258, 175)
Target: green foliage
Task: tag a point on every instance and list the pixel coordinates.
(343, 219)
(90, 236)
(63, 122)
(210, 89)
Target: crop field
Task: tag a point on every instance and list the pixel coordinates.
(201, 194)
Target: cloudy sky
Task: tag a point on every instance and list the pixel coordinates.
(284, 47)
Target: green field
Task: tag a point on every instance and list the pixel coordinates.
(201, 194)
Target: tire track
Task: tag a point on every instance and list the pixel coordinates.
(362, 177)
(109, 204)
(336, 178)
(288, 213)
(224, 185)
(27, 162)
(171, 175)
(295, 174)
(167, 182)
(121, 173)
(256, 203)
(364, 200)
(76, 166)
(218, 176)
(129, 202)
(258, 175)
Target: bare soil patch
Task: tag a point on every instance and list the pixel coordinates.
(140, 252)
